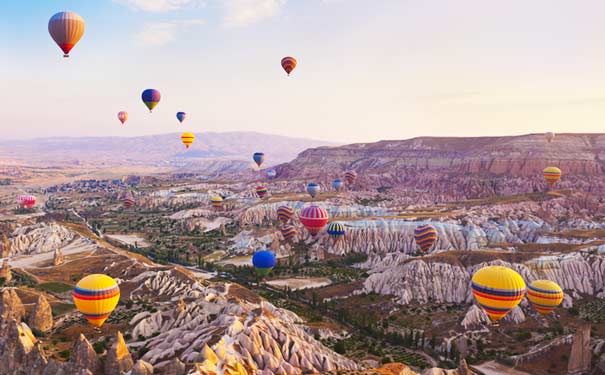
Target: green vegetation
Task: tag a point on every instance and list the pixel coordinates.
(54, 287)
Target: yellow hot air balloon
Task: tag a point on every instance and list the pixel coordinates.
(498, 290)
(544, 295)
(216, 202)
(551, 175)
(187, 139)
(95, 296)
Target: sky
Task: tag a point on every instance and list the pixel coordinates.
(367, 69)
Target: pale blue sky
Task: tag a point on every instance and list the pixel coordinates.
(368, 69)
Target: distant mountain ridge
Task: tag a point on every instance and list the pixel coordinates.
(162, 149)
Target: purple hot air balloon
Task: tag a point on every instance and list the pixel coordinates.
(151, 98)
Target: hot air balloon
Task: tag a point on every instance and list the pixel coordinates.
(151, 98)
(271, 173)
(336, 230)
(337, 184)
(544, 295)
(26, 201)
(498, 290)
(288, 231)
(181, 116)
(261, 191)
(288, 63)
(425, 236)
(187, 139)
(551, 175)
(284, 213)
(263, 262)
(128, 200)
(122, 116)
(314, 218)
(258, 158)
(313, 189)
(66, 29)
(549, 136)
(216, 202)
(350, 177)
(95, 296)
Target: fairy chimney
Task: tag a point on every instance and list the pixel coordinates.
(5, 272)
(58, 257)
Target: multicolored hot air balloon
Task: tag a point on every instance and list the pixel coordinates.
(288, 231)
(544, 295)
(425, 237)
(261, 191)
(314, 219)
(549, 136)
(288, 64)
(216, 202)
(271, 173)
(258, 158)
(498, 290)
(551, 175)
(122, 116)
(151, 98)
(187, 139)
(263, 262)
(336, 230)
(26, 201)
(338, 184)
(181, 116)
(128, 200)
(313, 189)
(284, 213)
(66, 29)
(350, 177)
(96, 296)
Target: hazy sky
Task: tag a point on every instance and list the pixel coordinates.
(367, 69)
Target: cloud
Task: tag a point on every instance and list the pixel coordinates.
(239, 13)
(159, 5)
(162, 33)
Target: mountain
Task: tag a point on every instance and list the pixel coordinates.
(156, 150)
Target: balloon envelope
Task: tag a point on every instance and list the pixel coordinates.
(96, 296)
(187, 139)
(66, 29)
(284, 213)
(181, 116)
(288, 231)
(261, 191)
(544, 295)
(263, 261)
(288, 64)
(337, 185)
(350, 177)
(425, 237)
(498, 290)
(314, 219)
(216, 201)
(313, 189)
(122, 116)
(271, 173)
(27, 201)
(336, 230)
(551, 175)
(258, 158)
(151, 98)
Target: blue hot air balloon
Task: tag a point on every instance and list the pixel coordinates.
(259, 158)
(336, 230)
(263, 261)
(313, 189)
(338, 184)
(271, 173)
(181, 116)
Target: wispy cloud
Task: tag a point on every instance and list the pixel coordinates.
(239, 13)
(162, 33)
(159, 5)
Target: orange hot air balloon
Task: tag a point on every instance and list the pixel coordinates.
(288, 63)
(66, 29)
(122, 116)
(551, 175)
(187, 139)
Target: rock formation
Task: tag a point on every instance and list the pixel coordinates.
(142, 368)
(18, 346)
(58, 257)
(84, 357)
(5, 247)
(41, 317)
(5, 271)
(11, 306)
(118, 359)
(581, 355)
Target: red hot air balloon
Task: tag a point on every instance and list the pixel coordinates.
(261, 191)
(122, 116)
(288, 63)
(66, 29)
(26, 201)
(314, 219)
(350, 177)
(128, 200)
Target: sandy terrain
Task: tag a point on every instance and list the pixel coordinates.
(301, 283)
(129, 239)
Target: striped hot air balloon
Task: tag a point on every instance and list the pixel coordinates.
(544, 295)
(96, 296)
(187, 139)
(261, 191)
(551, 175)
(337, 184)
(314, 219)
(288, 64)
(313, 189)
(122, 116)
(258, 158)
(216, 202)
(128, 200)
(350, 177)
(425, 237)
(498, 290)
(263, 262)
(181, 116)
(66, 29)
(288, 231)
(26, 201)
(284, 213)
(151, 98)
(336, 230)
